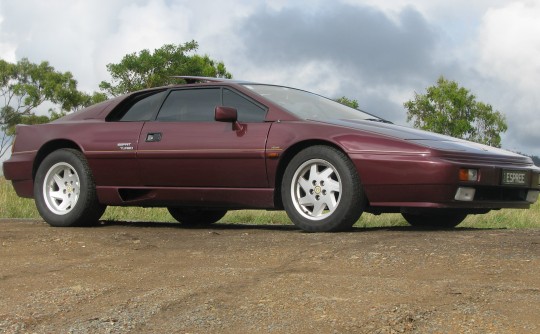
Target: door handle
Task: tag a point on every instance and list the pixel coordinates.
(153, 137)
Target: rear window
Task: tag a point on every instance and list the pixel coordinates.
(138, 108)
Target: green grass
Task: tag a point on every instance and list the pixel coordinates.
(12, 206)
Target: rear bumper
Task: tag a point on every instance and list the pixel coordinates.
(24, 188)
(18, 169)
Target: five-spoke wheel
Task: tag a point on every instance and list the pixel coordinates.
(321, 190)
(64, 190)
(61, 188)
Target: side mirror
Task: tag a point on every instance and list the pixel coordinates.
(228, 114)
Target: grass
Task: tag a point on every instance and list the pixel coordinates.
(12, 206)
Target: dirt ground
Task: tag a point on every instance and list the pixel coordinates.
(162, 278)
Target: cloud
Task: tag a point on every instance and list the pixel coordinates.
(509, 60)
(68, 34)
(376, 51)
(340, 49)
(510, 44)
(381, 54)
(84, 36)
(354, 38)
(7, 49)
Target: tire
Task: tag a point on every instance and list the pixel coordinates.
(321, 190)
(196, 217)
(435, 220)
(65, 192)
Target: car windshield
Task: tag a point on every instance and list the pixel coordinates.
(308, 105)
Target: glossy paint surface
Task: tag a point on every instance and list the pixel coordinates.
(240, 164)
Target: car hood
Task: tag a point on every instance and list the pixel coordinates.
(427, 139)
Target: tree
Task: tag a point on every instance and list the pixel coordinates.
(145, 69)
(452, 110)
(348, 102)
(25, 86)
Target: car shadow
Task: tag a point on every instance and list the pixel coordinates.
(216, 226)
(278, 227)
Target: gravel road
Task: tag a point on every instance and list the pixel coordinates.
(162, 278)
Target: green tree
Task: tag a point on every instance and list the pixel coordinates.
(146, 69)
(452, 110)
(348, 102)
(25, 86)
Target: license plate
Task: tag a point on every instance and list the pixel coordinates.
(517, 177)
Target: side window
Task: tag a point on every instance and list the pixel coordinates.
(247, 110)
(190, 105)
(143, 107)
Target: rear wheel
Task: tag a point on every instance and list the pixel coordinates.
(64, 190)
(321, 190)
(444, 219)
(196, 217)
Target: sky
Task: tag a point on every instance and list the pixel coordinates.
(379, 52)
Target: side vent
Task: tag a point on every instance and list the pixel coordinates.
(130, 195)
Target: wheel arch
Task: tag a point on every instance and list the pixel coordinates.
(50, 147)
(287, 157)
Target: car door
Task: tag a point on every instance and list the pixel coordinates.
(186, 147)
(112, 145)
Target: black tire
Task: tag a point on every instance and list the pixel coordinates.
(321, 190)
(65, 192)
(435, 220)
(196, 217)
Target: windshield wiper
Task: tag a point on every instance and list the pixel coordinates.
(378, 120)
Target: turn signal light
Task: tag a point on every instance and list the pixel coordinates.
(468, 174)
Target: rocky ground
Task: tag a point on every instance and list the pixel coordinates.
(162, 278)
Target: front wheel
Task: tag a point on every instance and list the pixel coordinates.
(196, 217)
(435, 220)
(64, 190)
(321, 190)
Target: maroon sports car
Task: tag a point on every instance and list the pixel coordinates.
(214, 145)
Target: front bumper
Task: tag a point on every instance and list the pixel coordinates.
(425, 181)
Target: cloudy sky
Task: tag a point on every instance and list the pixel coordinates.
(376, 51)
